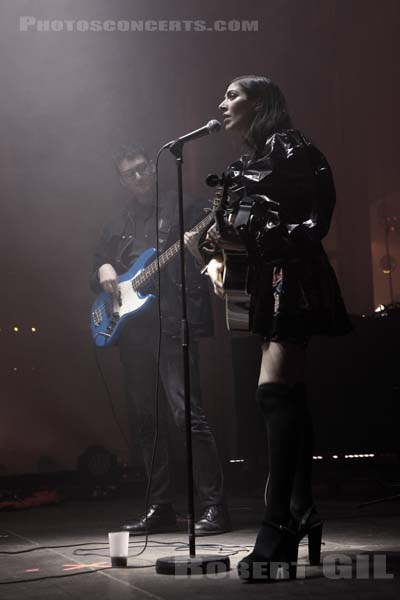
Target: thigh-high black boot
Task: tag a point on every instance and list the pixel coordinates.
(275, 542)
(304, 513)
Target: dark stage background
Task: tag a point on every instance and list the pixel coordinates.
(69, 99)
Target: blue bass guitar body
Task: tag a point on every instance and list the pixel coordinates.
(109, 315)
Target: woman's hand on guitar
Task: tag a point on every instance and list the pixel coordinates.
(213, 236)
(108, 279)
(228, 240)
(215, 271)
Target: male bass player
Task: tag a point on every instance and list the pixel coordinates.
(130, 232)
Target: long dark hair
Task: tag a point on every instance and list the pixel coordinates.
(271, 113)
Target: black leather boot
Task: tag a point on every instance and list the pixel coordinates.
(304, 516)
(302, 498)
(282, 414)
(309, 524)
(160, 518)
(276, 544)
(274, 556)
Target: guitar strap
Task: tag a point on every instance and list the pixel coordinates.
(244, 213)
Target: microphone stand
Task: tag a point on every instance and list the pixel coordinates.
(178, 564)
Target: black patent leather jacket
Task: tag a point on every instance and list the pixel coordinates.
(291, 188)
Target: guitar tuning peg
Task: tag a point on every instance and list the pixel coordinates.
(212, 180)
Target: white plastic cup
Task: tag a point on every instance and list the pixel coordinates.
(119, 542)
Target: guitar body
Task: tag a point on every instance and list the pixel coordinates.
(237, 299)
(236, 268)
(108, 315)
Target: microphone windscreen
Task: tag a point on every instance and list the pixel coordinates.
(213, 126)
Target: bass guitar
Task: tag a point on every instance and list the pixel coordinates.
(109, 314)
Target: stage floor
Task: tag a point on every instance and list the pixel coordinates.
(366, 543)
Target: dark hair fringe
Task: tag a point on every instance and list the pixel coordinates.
(129, 151)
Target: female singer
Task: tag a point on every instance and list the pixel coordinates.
(294, 294)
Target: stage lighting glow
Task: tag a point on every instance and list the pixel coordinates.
(369, 455)
(379, 308)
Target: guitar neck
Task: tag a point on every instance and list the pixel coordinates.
(167, 256)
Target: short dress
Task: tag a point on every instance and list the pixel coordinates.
(293, 289)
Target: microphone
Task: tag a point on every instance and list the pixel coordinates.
(212, 127)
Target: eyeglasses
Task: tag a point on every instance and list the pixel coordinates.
(139, 171)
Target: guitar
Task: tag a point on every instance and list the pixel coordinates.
(236, 268)
(109, 314)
